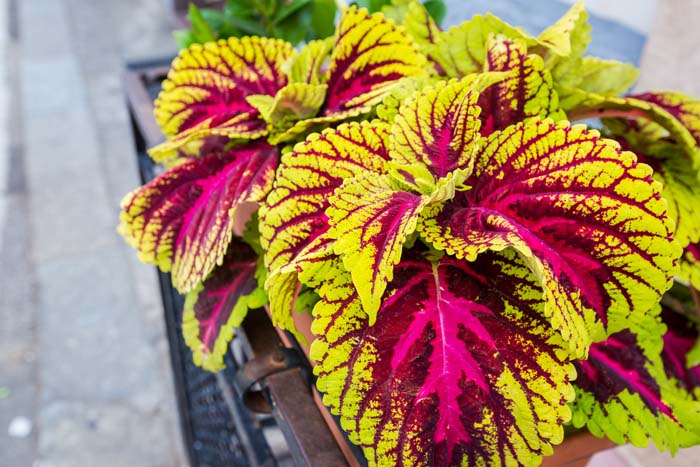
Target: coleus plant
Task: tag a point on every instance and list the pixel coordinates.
(480, 271)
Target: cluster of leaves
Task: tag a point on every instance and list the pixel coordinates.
(480, 271)
(292, 20)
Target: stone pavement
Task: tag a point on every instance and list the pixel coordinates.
(81, 334)
(84, 376)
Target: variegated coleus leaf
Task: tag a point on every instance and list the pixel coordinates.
(409, 87)
(526, 91)
(206, 89)
(371, 219)
(597, 76)
(371, 216)
(195, 149)
(310, 66)
(460, 367)
(421, 27)
(623, 393)
(436, 129)
(566, 37)
(690, 265)
(183, 220)
(462, 49)
(681, 184)
(588, 219)
(684, 108)
(654, 119)
(370, 56)
(220, 303)
(565, 42)
(680, 352)
(681, 190)
(293, 223)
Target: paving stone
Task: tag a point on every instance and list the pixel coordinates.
(18, 372)
(56, 85)
(102, 434)
(105, 397)
(70, 219)
(43, 29)
(92, 333)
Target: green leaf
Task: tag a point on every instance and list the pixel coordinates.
(437, 9)
(372, 5)
(214, 18)
(234, 8)
(183, 38)
(306, 300)
(607, 77)
(293, 29)
(566, 42)
(289, 9)
(266, 7)
(461, 50)
(249, 25)
(200, 28)
(563, 37)
(323, 17)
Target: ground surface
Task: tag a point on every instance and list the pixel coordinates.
(84, 378)
(82, 353)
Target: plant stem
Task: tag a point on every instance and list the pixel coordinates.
(696, 299)
(597, 112)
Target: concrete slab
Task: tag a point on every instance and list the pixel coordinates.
(94, 344)
(102, 434)
(18, 345)
(103, 392)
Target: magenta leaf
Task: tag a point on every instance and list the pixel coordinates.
(219, 304)
(680, 339)
(586, 216)
(183, 220)
(622, 392)
(460, 368)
